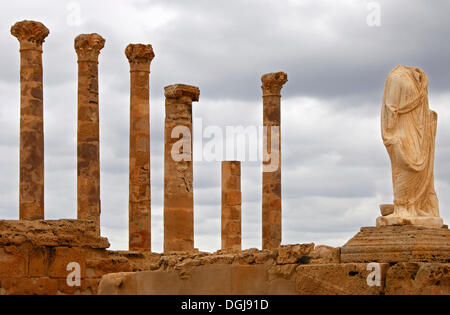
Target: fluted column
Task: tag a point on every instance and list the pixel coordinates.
(178, 171)
(139, 223)
(272, 84)
(231, 205)
(88, 48)
(31, 36)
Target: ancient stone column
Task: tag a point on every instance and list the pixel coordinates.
(178, 172)
(140, 57)
(272, 84)
(31, 36)
(88, 48)
(231, 205)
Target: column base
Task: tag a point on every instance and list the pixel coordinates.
(430, 222)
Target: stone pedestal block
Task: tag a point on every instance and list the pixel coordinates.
(398, 243)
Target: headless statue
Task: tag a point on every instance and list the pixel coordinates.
(409, 130)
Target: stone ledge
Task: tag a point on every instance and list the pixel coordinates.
(71, 233)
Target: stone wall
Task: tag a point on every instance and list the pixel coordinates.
(34, 256)
(292, 269)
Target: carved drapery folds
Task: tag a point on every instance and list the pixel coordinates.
(409, 130)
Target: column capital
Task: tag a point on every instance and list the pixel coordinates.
(88, 46)
(140, 56)
(30, 34)
(272, 83)
(182, 90)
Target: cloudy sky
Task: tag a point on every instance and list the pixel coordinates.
(335, 168)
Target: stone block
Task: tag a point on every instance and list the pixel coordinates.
(60, 257)
(337, 279)
(38, 261)
(418, 278)
(290, 254)
(402, 243)
(12, 262)
(29, 286)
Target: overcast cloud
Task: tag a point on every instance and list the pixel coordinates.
(335, 168)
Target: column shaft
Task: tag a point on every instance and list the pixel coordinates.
(271, 189)
(31, 36)
(231, 205)
(88, 48)
(178, 171)
(139, 222)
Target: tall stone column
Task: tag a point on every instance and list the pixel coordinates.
(231, 205)
(178, 171)
(31, 36)
(272, 84)
(140, 57)
(88, 48)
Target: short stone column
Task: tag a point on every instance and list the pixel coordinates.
(88, 48)
(272, 84)
(31, 36)
(231, 205)
(139, 223)
(178, 171)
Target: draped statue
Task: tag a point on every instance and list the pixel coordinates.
(409, 129)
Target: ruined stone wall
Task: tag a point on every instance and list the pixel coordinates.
(292, 269)
(34, 256)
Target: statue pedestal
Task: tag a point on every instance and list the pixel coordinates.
(431, 222)
(398, 243)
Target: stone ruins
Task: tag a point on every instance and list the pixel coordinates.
(408, 252)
